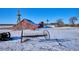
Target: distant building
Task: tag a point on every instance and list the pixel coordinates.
(51, 25)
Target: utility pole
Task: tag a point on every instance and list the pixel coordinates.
(47, 21)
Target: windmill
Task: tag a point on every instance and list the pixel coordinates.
(18, 16)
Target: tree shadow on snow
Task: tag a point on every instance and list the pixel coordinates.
(59, 41)
(54, 40)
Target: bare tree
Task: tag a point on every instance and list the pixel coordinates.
(60, 23)
(73, 20)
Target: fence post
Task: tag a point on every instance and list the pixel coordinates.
(21, 35)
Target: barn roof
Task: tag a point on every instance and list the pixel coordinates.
(29, 21)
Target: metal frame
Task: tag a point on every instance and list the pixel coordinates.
(46, 35)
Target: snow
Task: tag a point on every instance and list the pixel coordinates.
(6, 26)
(61, 39)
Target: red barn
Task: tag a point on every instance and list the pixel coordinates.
(26, 24)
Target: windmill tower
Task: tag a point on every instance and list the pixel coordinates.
(18, 16)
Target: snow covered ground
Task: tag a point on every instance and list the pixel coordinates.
(61, 39)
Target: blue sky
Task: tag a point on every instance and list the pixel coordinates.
(9, 15)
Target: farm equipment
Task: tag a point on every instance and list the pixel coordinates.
(5, 36)
(26, 34)
(33, 34)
